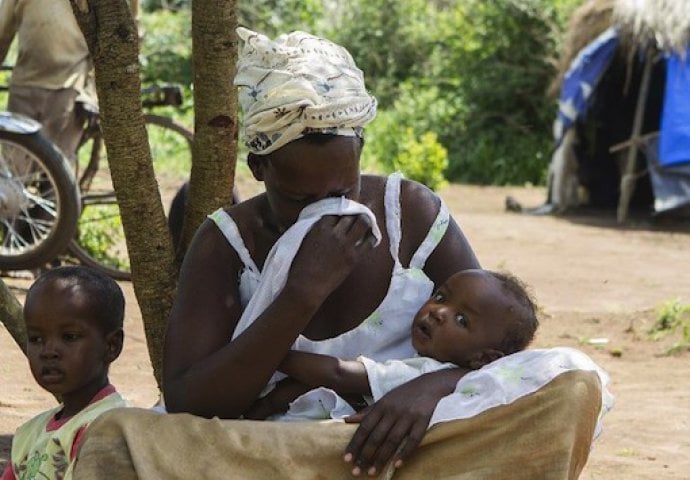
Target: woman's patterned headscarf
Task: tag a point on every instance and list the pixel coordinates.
(295, 85)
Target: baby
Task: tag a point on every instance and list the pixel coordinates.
(475, 317)
(73, 318)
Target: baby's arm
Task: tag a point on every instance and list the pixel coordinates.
(277, 400)
(316, 370)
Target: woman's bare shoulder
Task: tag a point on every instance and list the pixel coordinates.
(419, 205)
(416, 199)
(249, 215)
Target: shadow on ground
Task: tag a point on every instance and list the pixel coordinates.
(677, 221)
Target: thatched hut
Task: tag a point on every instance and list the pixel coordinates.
(623, 127)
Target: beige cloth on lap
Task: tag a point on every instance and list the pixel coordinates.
(544, 435)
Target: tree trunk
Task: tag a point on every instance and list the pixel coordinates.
(11, 316)
(214, 49)
(112, 39)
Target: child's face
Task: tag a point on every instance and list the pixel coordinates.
(464, 318)
(68, 353)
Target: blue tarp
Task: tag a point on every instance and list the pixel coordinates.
(674, 144)
(582, 79)
(671, 184)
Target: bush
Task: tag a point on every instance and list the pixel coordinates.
(498, 63)
(166, 47)
(153, 5)
(422, 159)
(389, 39)
(405, 136)
(472, 72)
(477, 79)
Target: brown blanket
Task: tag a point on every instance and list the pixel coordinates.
(545, 435)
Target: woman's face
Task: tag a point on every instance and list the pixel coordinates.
(305, 171)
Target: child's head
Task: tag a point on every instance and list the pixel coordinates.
(73, 318)
(475, 317)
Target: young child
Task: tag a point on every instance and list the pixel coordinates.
(73, 318)
(475, 317)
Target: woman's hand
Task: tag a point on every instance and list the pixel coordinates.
(394, 426)
(329, 253)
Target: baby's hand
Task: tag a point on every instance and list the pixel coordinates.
(261, 410)
(277, 400)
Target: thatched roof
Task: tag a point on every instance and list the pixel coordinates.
(665, 22)
(586, 23)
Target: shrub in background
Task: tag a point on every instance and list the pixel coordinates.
(404, 137)
(472, 72)
(422, 159)
(496, 58)
(166, 48)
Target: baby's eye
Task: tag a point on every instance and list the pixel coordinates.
(438, 297)
(71, 336)
(34, 339)
(460, 320)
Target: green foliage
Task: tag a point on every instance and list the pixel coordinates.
(403, 137)
(497, 62)
(166, 47)
(100, 234)
(154, 5)
(422, 159)
(673, 316)
(389, 39)
(501, 157)
(274, 17)
(472, 72)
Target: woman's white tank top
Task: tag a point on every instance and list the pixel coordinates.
(385, 334)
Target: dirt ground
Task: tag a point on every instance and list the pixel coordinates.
(592, 279)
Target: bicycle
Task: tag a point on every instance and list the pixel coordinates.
(39, 198)
(82, 199)
(99, 242)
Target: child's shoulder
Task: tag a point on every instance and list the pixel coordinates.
(38, 422)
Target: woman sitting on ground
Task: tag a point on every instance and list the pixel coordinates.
(327, 261)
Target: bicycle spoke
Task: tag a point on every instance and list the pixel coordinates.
(47, 205)
(40, 202)
(37, 225)
(13, 241)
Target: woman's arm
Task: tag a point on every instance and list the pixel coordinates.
(204, 372)
(392, 428)
(419, 208)
(316, 370)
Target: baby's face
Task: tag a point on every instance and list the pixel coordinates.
(464, 317)
(67, 351)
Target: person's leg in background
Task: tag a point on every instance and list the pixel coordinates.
(57, 111)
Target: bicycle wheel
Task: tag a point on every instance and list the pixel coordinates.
(100, 241)
(39, 201)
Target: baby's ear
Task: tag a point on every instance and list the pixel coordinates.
(113, 344)
(485, 357)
